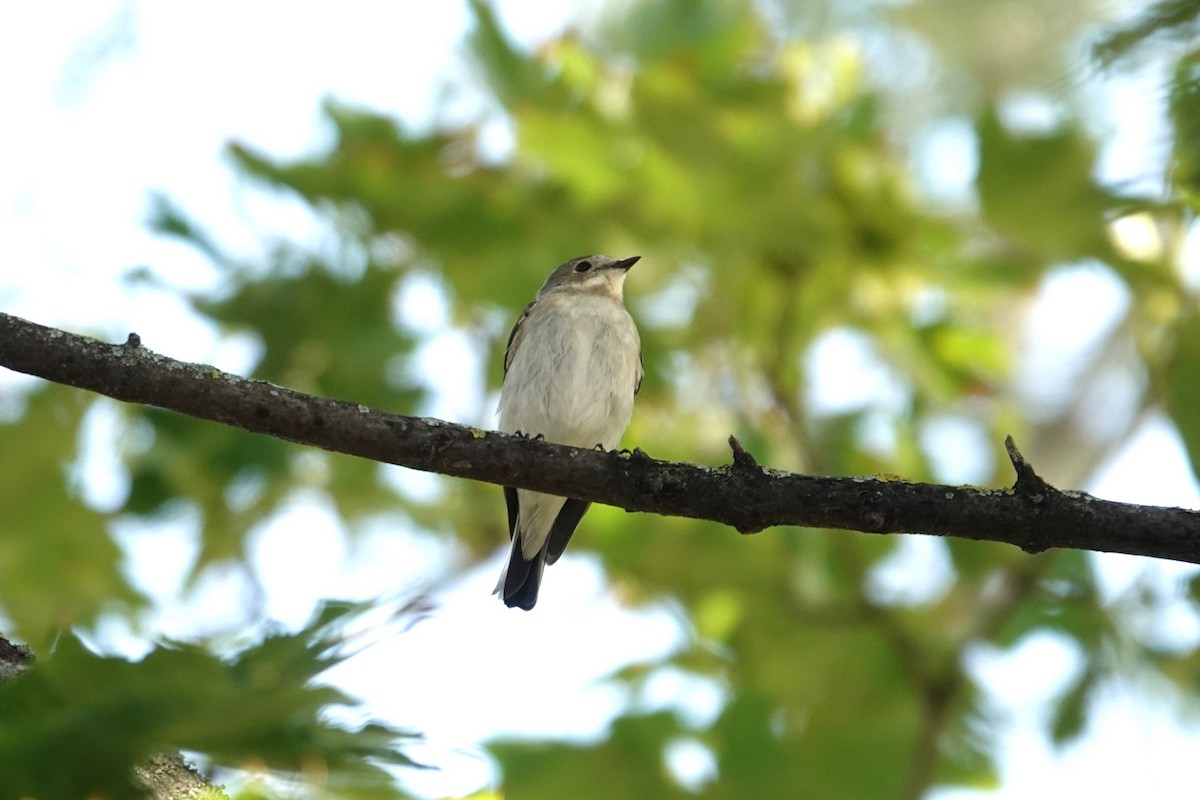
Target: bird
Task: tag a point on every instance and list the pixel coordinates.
(572, 368)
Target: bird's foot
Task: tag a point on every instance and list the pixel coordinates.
(636, 454)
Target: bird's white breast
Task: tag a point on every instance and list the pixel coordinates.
(573, 376)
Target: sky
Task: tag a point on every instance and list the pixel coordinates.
(108, 102)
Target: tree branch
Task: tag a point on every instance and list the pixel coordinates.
(1031, 515)
(14, 659)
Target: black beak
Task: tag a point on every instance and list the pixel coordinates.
(626, 263)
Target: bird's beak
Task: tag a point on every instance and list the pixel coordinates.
(625, 264)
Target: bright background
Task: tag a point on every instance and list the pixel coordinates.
(109, 103)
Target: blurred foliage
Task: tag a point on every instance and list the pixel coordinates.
(1185, 119)
(1166, 19)
(760, 161)
(58, 566)
(76, 722)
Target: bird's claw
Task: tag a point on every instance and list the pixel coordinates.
(636, 453)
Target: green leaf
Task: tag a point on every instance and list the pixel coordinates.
(1166, 18)
(1185, 117)
(510, 73)
(1070, 711)
(752, 759)
(627, 764)
(1183, 387)
(1037, 189)
(262, 705)
(58, 564)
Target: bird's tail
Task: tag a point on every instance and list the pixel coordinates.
(520, 580)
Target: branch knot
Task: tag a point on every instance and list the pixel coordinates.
(1028, 483)
(741, 456)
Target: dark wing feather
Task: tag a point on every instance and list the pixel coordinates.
(510, 500)
(516, 335)
(564, 525)
(637, 387)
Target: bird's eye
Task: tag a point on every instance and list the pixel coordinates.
(583, 266)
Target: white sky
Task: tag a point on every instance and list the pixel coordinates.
(81, 150)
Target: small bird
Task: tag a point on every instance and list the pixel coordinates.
(571, 370)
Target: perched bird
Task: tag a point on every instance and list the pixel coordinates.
(571, 370)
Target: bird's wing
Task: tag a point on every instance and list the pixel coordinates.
(637, 387)
(564, 525)
(514, 505)
(514, 338)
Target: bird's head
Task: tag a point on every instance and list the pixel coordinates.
(590, 274)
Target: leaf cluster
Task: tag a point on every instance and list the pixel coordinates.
(76, 723)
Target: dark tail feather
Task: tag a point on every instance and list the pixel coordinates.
(564, 525)
(523, 578)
